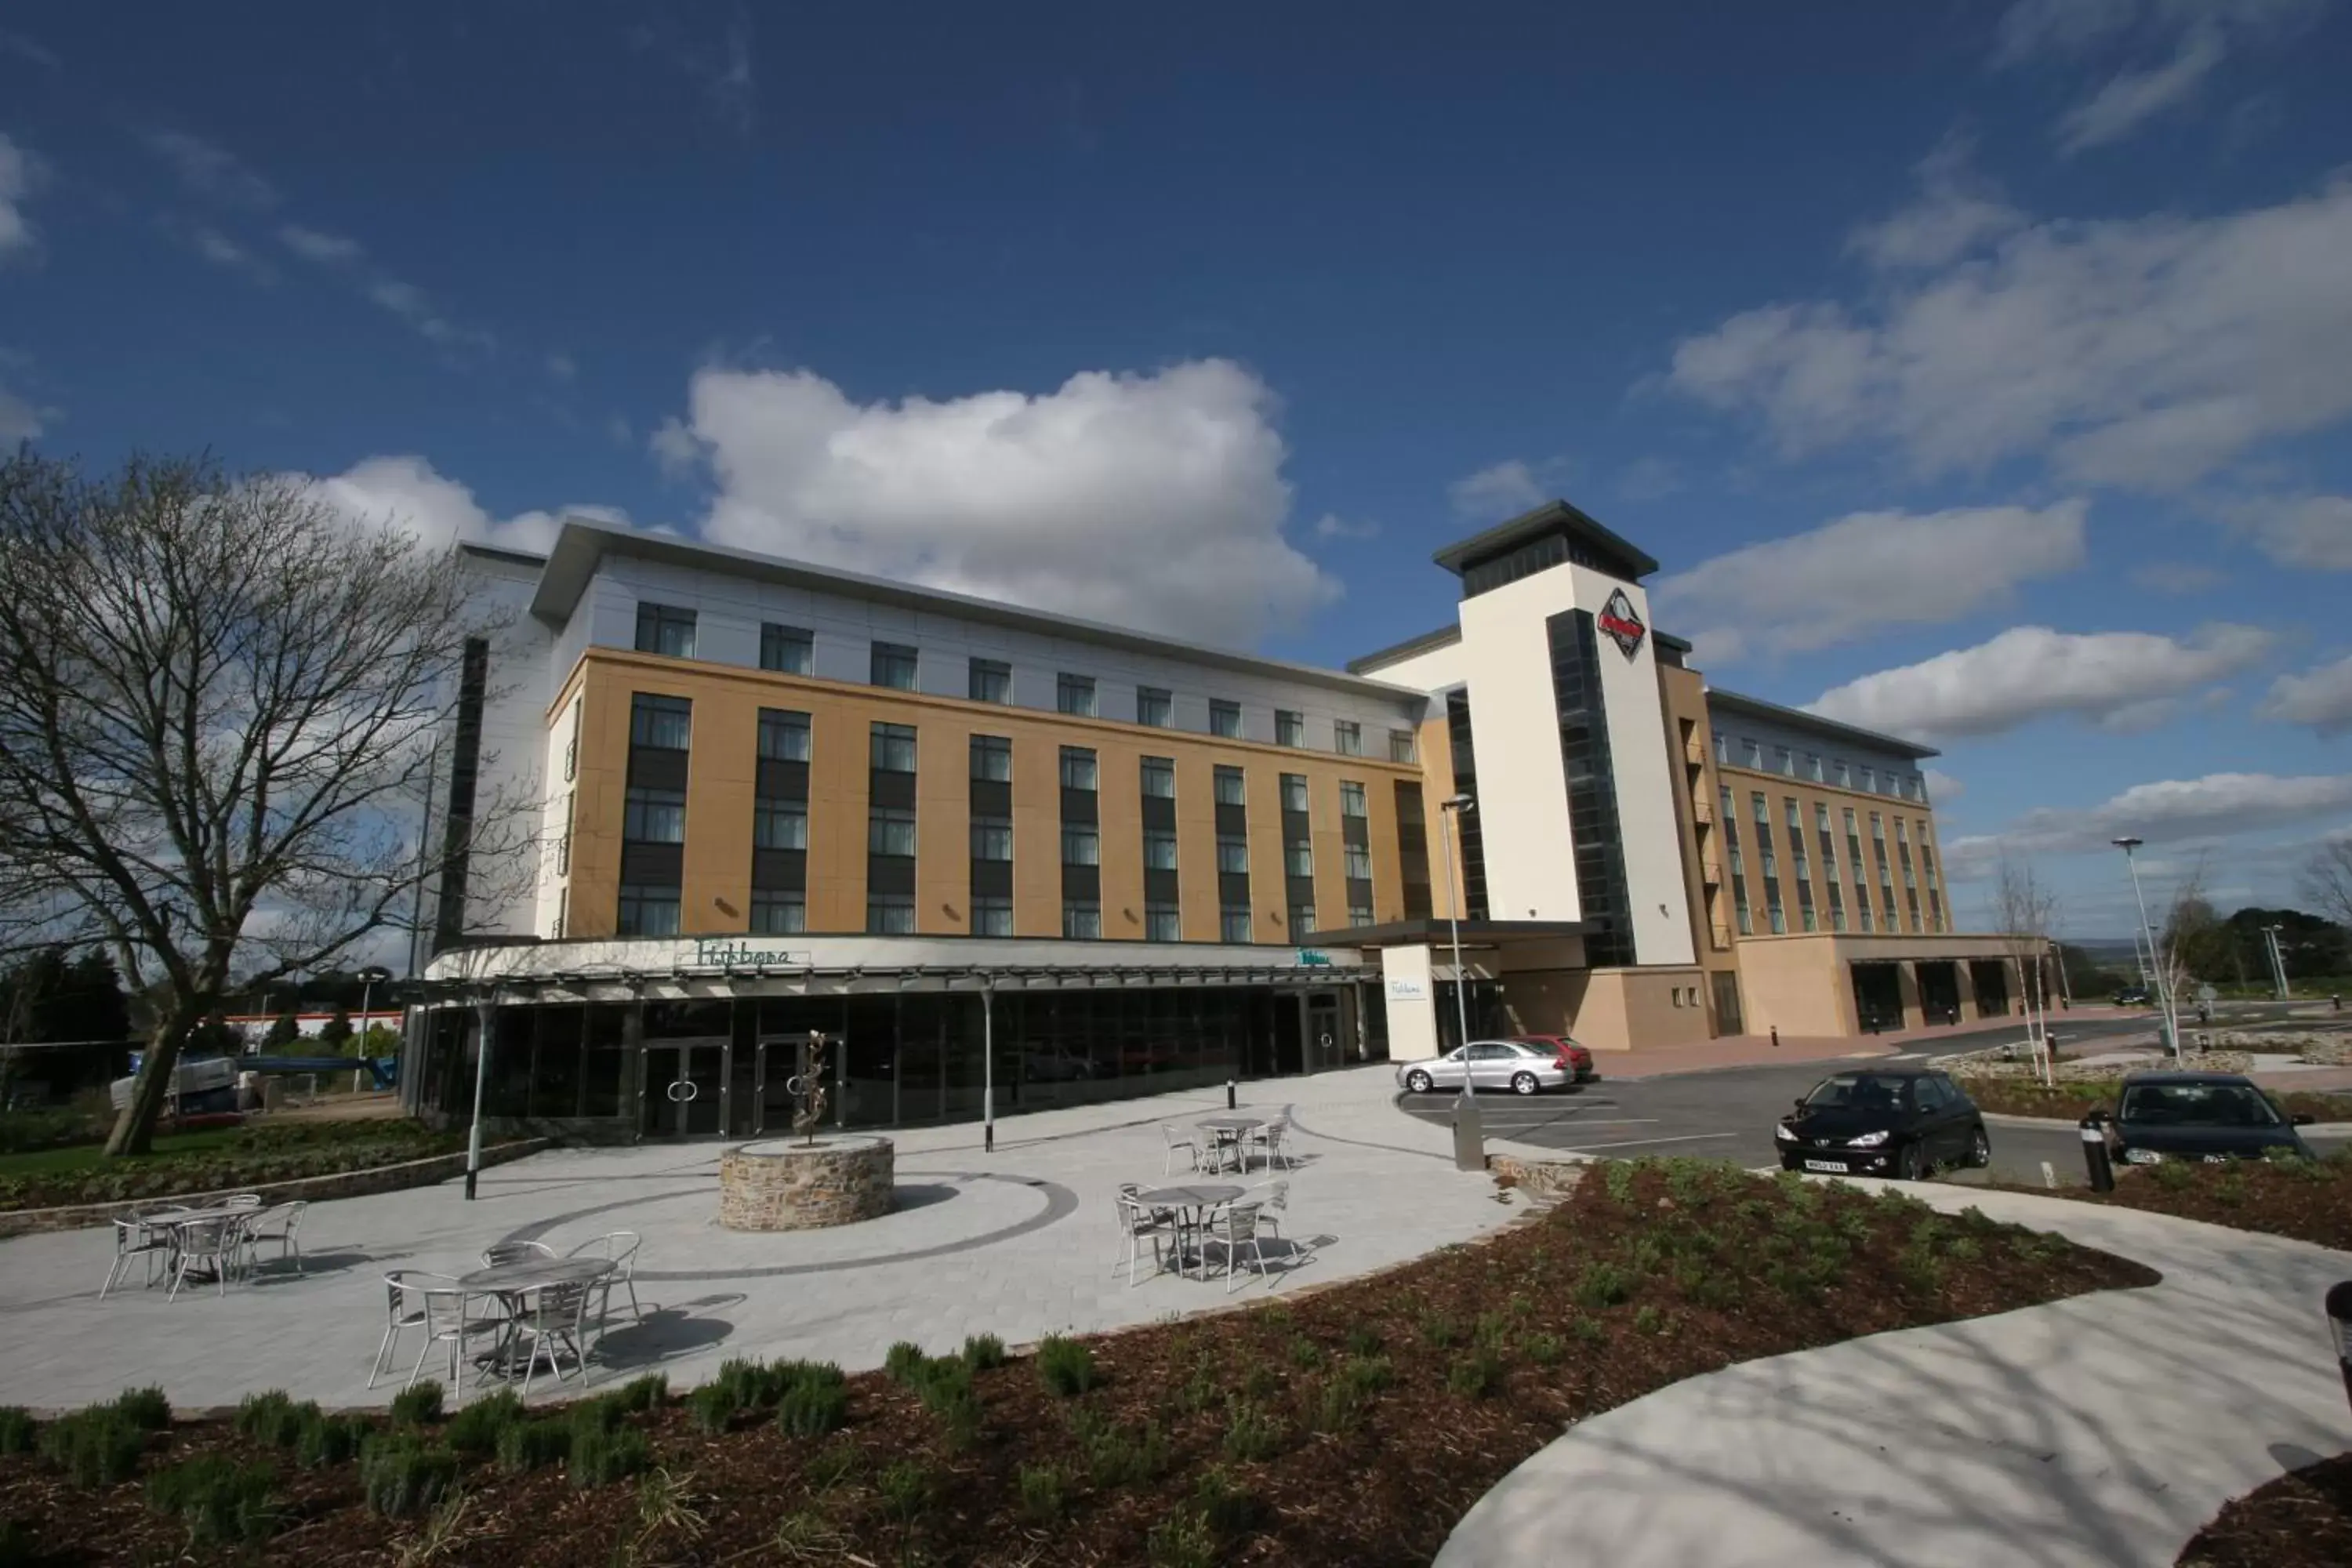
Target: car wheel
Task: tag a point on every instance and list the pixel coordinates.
(1418, 1081)
(1524, 1083)
(1980, 1149)
(1913, 1166)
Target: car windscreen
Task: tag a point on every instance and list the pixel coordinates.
(1860, 1091)
(2197, 1105)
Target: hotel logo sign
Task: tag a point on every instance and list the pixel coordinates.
(1623, 626)
(734, 951)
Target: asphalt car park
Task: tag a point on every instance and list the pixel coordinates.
(1727, 1114)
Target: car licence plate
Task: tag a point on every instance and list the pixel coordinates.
(1837, 1165)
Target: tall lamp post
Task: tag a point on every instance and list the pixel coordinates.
(1469, 1136)
(373, 976)
(2277, 957)
(2156, 965)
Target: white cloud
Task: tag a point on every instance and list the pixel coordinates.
(2171, 811)
(21, 174)
(2314, 532)
(407, 492)
(210, 170)
(1331, 525)
(1867, 571)
(2123, 680)
(2133, 96)
(225, 253)
(1956, 211)
(2177, 577)
(617, 430)
(1501, 489)
(2320, 697)
(2137, 352)
(1942, 788)
(317, 245)
(2174, 45)
(395, 296)
(1153, 500)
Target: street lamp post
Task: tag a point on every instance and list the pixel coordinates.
(485, 1011)
(371, 977)
(2156, 965)
(1469, 1135)
(2277, 957)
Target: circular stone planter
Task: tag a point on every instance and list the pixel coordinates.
(783, 1184)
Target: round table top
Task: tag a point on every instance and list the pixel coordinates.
(532, 1274)
(1232, 1123)
(1199, 1195)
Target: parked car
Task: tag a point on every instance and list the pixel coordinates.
(1492, 1065)
(2132, 997)
(2201, 1116)
(1877, 1121)
(1574, 1059)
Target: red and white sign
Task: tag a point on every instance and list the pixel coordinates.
(1623, 626)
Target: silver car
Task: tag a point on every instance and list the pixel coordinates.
(1492, 1065)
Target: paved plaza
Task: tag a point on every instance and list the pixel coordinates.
(1019, 1244)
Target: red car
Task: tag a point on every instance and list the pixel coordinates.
(1574, 1059)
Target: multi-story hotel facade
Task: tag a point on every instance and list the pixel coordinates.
(972, 847)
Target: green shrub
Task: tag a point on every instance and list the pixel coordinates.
(17, 1549)
(1065, 1366)
(906, 1489)
(145, 1408)
(983, 1352)
(1305, 1353)
(1366, 1374)
(1042, 1493)
(272, 1417)
(1252, 1432)
(16, 1430)
(1117, 1455)
(474, 1428)
(419, 1405)
(1182, 1539)
(1491, 1332)
(640, 1393)
(1335, 1407)
(1601, 1284)
(830, 1466)
(712, 1406)
(1475, 1374)
(1229, 1506)
(745, 1384)
(323, 1440)
(601, 1455)
(95, 1447)
(1648, 1320)
(1618, 1177)
(219, 1500)
(401, 1476)
(1198, 1392)
(1440, 1329)
(532, 1444)
(904, 1361)
(1363, 1340)
(813, 1406)
(1588, 1329)
(1544, 1350)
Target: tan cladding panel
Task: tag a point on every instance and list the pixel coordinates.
(1776, 788)
(1684, 700)
(723, 769)
(1436, 747)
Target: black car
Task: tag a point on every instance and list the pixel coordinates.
(2201, 1116)
(1880, 1122)
(2132, 997)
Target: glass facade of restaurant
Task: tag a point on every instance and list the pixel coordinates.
(718, 1067)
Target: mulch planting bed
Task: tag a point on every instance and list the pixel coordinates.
(254, 1155)
(1349, 1425)
(2071, 1101)
(2303, 1520)
(2308, 1200)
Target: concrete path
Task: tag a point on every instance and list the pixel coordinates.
(2106, 1429)
(1020, 1243)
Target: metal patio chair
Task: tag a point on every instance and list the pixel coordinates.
(404, 1308)
(212, 1242)
(1179, 1142)
(500, 1252)
(135, 1237)
(1235, 1227)
(1136, 1225)
(621, 1247)
(448, 1324)
(1267, 1139)
(557, 1320)
(281, 1223)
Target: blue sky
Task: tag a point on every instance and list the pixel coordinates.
(1977, 371)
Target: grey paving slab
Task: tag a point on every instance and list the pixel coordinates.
(1018, 1243)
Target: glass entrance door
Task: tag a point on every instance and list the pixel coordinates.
(685, 1088)
(747, 1090)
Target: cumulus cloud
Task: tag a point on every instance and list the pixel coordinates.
(2122, 681)
(21, 174)
(2143, 353)
(1501, 488)
(1956, 211)
(1331, 525)
(407, 492)
(2173, 47)
(1870, 570)
(2172, 811)
(1153, 500)
(2320, 697)
(1943, 787)
(2314, 532)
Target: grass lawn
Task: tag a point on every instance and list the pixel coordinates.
(213, 1158)
(1351, 1426)
(2303, 1520)
(2071, 1101)
(90, 1156)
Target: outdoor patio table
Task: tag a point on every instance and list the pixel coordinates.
(1192, 1201)
(510, 1282)
(1232, 1132)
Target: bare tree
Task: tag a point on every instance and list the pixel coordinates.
(2327, 880)
(217, 704)
(2025, 913)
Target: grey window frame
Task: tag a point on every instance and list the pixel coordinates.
(987, 673)
(777, 639)
(1223, 714)
(662, 621)
(1075, 695)
(1155, 707)
(887, 656)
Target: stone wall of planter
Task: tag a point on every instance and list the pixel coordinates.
(785, 1185)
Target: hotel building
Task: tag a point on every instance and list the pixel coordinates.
(966, 843)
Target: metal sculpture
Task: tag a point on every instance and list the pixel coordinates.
(807, 1088)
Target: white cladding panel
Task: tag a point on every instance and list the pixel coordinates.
(502, 891)
(1514, 737)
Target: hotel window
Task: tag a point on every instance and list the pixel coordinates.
(790, 650)
(1225, 719)
(563, 906)
(1779, 920)
(1751, 754)
(890, 917)
(1160, 923)
(778, 914)
(1081, 921)
(1074, 694)
(1844, 774)
(891, 749)
(1294, 792)
(1159, 778)
(1360, 862)
(780, 825)
(663, 723)
(1297, 857)
(783, 735)
(1935, 909)
(1869, 781)
(1805, 905)
(1911, 902)
(991, 917)
(1077, 768)
(991, 681)
(1813, 766)
(1348, 738)
(1233, 856)
(1289, 728)
(1837, 905)
(1926, 855)
(892, 664)
(1229, 787)
(1903, 853)
(653, 816)
(1154, 707)
(563, 845)
(988, 797)
(991, 759)
(1233, 923)
(649, 911)
(1784, 762)
(664, 628)
(1722, 748)
(1796, 841)
(1739, 868)
(1160, 852)
(1861, 898)
(991, 839)
(1853, 843)
(1829, 842)
(1764, 838)
(572, 747)
(890, 830)
(1402, 747)
(1351, 798)
(1302, 920)
(1081, 845)
(1360, 915)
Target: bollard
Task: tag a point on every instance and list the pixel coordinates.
(2094, 1152)
(1776, 1036)
(1469, 1137)
(2339, 1324)
(1229, 1094)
